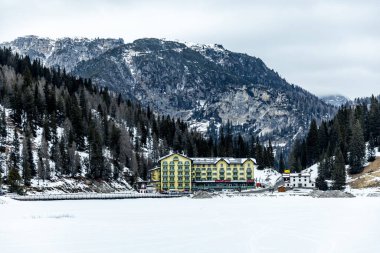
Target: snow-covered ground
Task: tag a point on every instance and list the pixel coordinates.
(267, 177)
(238, 224)
(313, 171)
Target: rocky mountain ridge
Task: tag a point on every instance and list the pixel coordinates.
(64, 53)
(206, 85)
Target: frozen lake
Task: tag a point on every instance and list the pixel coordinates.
(239, 224)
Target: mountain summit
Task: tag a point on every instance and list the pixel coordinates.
(206, 85)
(335, 100)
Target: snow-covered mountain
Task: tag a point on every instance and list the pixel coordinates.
(335, 100)
(65, 53)
(206, 85)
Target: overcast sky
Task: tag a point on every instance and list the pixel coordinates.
(326, 47)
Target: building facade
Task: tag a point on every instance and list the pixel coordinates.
(298, 180)
(179, 173)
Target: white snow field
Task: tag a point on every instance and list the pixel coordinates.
(237, 224)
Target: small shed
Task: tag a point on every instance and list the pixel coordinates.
(281, 188)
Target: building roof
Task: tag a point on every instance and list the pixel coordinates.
(155, 168)
(166, 156)
(296, 175)
(214, 160)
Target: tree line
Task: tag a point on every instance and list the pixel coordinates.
(340, 142)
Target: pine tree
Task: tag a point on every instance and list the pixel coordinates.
(14, 179)
(3, 125)
(321, 179)
(44, 150)
(26, 168)
(371, 148)
(357, 149)
(71, 162)
(312, 144)
(56, 157)
(322, 138)
(339, 171)
(16, 149)
(270, 154)
(282, 163)
(40, 168)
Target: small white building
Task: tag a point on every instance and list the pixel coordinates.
(298, 180)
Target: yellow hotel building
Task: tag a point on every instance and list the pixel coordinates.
(177, 172)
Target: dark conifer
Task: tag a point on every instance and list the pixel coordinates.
(357, 149)
(339, 171)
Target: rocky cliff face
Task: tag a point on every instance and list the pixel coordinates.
(202, 84)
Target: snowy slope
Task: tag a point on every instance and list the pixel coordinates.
(267, 177)
(313, 171)
(57, 184)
